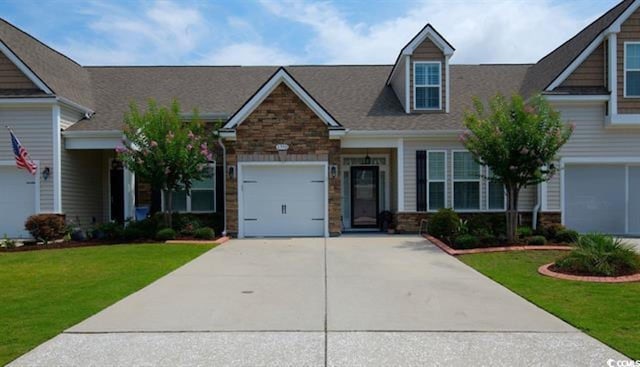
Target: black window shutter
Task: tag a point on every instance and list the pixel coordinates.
(421, 180)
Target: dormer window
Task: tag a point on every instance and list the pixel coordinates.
(632, 69)
(427, 85)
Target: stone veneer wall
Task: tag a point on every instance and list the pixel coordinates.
(282, 118)
(410, 221)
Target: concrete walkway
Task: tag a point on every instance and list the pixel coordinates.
(348, 301)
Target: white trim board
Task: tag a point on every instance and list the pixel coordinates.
(57, 160)
(280, 76)
(324, 164)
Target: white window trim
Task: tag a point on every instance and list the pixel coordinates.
(454, 180)
(486, 191)
(188, 209)
(444, 180)
(439, 85)
(625, 69)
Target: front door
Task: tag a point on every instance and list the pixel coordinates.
(116, 176)
(364, 196)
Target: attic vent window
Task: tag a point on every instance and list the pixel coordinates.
(427, 85)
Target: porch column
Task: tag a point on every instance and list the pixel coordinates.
(129, 194)
(400, 172)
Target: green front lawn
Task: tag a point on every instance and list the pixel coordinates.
(45, 292)
(608, 312)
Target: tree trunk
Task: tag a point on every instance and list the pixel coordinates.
(512, 212)
(169, 214)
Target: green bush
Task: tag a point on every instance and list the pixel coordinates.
(602, 255)
(567, 236)
(132, 233)
(166, 234)
(536, 241)
(46, 227)
(551, 231)
(444, 224)
(189, 228)
(466, 241)
(146, 228)
(479, 224)
(524, 232)
(110, 231)
(204, 233)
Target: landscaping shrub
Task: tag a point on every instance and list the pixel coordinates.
(132, 233)
(551, 231)
(109, 231)
(479, 224)
(599, 254)
(46, 227)
(189, 228)
(204, 233)
(567, 236)
(466, 241)
(444, 224)
(524, 232)
(142, 229)
(166, 234)
(536, 241)
(7, 243)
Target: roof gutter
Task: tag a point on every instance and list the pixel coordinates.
(403, 133)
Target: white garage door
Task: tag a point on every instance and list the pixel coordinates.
(602, 198)
(17, 200)
(283, 200)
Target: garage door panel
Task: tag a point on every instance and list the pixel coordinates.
(17, 200)
(286, 200)
(595, 198)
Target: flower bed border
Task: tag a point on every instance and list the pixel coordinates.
(546, 271)
(218, 241)
(453, 252)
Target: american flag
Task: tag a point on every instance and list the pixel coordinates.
(22, 157)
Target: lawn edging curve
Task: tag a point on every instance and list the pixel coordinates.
(546, 271)
(453, 252)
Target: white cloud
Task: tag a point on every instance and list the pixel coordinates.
(249, 54)
(496, 31)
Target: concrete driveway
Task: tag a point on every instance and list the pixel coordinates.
(348, 301)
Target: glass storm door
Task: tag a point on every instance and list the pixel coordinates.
(364, 196)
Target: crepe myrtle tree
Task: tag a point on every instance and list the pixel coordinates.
(518, 141)
(165, 149)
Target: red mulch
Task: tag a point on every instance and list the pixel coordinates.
(453, 252)
(549, 271)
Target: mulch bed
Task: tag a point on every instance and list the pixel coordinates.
(72, 244)
(453, 252)
(550, 271)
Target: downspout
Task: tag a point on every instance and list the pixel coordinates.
(536, 209)
(224, 183)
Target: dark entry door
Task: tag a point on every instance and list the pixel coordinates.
(116, 189)
(364, 196)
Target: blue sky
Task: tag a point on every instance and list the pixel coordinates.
(274, 32)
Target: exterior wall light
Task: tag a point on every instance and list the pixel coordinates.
(231, 172)
(46, 172)
(333, 171)
(282, 151)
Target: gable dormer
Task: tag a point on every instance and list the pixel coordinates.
(420, 76)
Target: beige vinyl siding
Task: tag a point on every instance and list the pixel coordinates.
(527, 196)
(428, 51)
(629, 31)
(11, 77)
(69, 117)
(34, 127)
(591, 139)
(398, 82)
(591, 73)
(82, 185)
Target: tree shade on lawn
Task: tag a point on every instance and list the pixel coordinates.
(608, 312)
(43, 293)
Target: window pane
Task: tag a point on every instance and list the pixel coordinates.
(421, 74)
(202, 200)
(436, 166)
(466, 195)
(496, 196)
(433, 74)
(208, 182)
(179, 201)
(421, 97)
(633, 56)
(433, 97)
(464, 167)
(436, 195)
(633, 83)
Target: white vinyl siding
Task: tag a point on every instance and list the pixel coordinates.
(427, 85)
(632, 69)
(34, 127)
(436, 180)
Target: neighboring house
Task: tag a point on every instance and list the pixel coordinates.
(319, 150)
